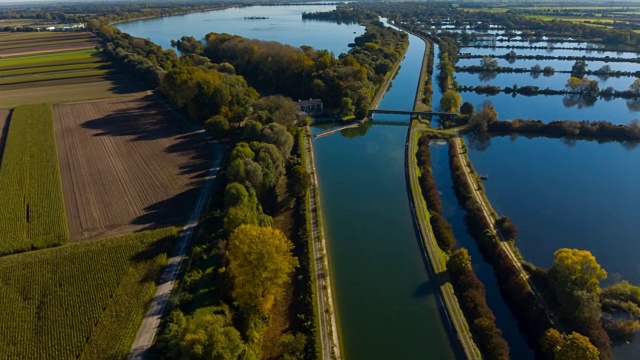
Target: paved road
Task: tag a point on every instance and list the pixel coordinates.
(327, 321)
(149, 326)
(491, 220)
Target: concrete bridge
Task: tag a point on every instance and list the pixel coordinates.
(370, 113)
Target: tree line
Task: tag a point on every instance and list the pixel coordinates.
(469, 290)
(255, 246)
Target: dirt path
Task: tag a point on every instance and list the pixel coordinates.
(326, 316)
(149, 326)
(457, 142)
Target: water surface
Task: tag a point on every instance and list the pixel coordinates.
(386, 302)
(284, 24)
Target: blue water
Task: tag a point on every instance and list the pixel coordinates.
(284, 25)
(385, 299)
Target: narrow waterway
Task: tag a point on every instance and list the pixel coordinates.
(387, 305)
(454, 213)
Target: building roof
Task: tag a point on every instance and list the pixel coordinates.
(309, 102)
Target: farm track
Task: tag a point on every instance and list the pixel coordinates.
(125, 166)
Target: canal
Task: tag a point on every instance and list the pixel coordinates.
(387, 304)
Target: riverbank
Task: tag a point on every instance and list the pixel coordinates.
(325, 312)
(221, 7)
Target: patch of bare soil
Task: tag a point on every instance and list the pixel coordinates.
(127, 164)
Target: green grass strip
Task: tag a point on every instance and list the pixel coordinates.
(36, 65)
(52, 56)
(33, 214)
(55, 76)
(52, 69)
(79, 301)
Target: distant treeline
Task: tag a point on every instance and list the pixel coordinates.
(474, 69)
(599, 130)
(552, 57)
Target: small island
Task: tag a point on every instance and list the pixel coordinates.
(256, 18)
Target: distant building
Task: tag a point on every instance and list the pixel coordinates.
(311, 106)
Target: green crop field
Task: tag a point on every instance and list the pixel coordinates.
(32, 208)
(38, 58)
(83, 60)
(53, 68)
(29, 78)
(80, 301)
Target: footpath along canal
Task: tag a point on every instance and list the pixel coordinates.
(387, 305)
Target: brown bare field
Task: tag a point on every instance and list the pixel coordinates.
(4, 129)
(127, 165)
(43, 37)
(83, 44)
(67, 90)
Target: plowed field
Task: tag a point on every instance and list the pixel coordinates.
(127, 164)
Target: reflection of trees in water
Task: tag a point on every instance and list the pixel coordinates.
(633, 104)
(630, 145)
(569, 142)
(354, 132)
(479, 142)
(580, 101)
(487, 75)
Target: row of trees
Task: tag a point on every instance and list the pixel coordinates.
(242, 269)
(469, 290)
(526, 309)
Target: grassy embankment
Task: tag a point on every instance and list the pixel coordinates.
(437, 257)
(80, 301)
(33, 214)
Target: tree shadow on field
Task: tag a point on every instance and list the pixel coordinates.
(174, 211)
(145, 120)
(148, 120)
(150, 252)
(122, 84)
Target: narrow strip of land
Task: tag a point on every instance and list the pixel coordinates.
(421, 218)
(149, 326)
(488, 213)
(326, 316)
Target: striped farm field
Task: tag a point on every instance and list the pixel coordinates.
(73, 74)
(79, 301)
(53, 68)
(127, 164)
(40, 58)
(32, 207)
